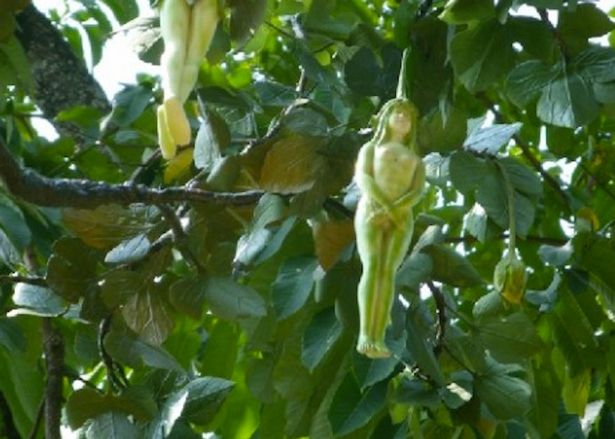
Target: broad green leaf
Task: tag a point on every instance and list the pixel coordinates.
(322, 332)
(16, 68)
(231, 300)
(12, 336)
(371, 371)
(452, 268)
(112, 425)
(527, 81)
(492, 138)
(481, 55)
(351, 409)
(211, 139)
(293, 286)
(415, 269)
(124, 10)
(442, 133)
(505, 395)
(534, 35)
(576, 26)
(71, 270)
(291, 165)
(330, 239)
(87, 403)
(511, 338)
(246, 17)
(467, 172)
(148, 315)
(107, 225)
(9, 255)
(222, 347)
(37, 300)
(567, 101)
(545, 398)
(205, 396)
(467, 11)
(124, 346)
(187, 295)
(129, 104)
(13, 222)
(129, 251)
(575, 392)
(419, 343)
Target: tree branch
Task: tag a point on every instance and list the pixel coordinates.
(61, 81)
(61, 192)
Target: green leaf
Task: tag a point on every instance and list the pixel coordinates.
(351, 409)
(12, 337)
(511, 338)
(481, 55)
(467, 171)
(9, 255)
(213, 137)
(442, 133)
(567, 101)
(575, 392)
(124, 346)
(419, 343)
(230, 300)
(15, 66)
(545, 398)
(492, 138)
(128, 251)
(452, 268)
(71, 270)
(13, 222)
(39, 301)
(147, 315)
(188, 294)
(467, 11)
(505, 395)
(86, 403)
(112, 425)
(534, 35)
(205, 396)
(129, 104)
(124, 10)
(527, 81)
(293, 286)
(322, 332)
(371, 371)
(576, 26)
(246, 17)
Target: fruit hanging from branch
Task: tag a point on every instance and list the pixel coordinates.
(391, 177)
(187, 28)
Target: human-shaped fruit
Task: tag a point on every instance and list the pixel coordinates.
(391, 177)
(187, 28)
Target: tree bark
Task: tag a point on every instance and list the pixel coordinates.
(61, 80)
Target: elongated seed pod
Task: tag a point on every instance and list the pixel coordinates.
(168, 146)
(203, 21)
(175, 31)
(177, 121)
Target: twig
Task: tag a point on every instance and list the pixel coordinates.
(61, 192)
(115, 373)
(440, 313)
(179, 236)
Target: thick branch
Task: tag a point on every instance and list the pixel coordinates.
(61, 192)
(61, 81)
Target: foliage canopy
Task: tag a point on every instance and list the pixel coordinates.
(184, 300)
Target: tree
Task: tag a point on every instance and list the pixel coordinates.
(216, 292)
